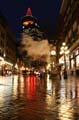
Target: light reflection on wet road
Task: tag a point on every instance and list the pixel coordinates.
(32, 98)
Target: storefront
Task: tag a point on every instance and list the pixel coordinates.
(8, 68)
(77, 61)
(5, 67)
(62, 62)
(74, 62)
(1, 65)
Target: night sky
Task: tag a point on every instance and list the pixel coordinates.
(46, 11)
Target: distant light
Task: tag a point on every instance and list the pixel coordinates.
(53, 52)
(16, 66)
(64, 44)
(67, 52)
(66, 47)
(48, 66)
(27, 22)
(4, 55)
(23, 27)
(36, 24)
(62, 48)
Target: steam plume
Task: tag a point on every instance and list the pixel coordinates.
(36, 49)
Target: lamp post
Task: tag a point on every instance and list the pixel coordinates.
(53, 57)
(64, 51)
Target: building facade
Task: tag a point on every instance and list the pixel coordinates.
(69, 33)
(30, 26)
(7, 47)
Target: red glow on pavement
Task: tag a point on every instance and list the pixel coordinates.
(30, 88)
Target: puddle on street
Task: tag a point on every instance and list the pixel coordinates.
(34, 97)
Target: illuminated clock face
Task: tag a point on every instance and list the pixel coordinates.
(25, 23)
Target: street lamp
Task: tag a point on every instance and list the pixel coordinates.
(64, 51)
(53, 57)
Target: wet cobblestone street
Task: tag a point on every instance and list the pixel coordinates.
(32, 98)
